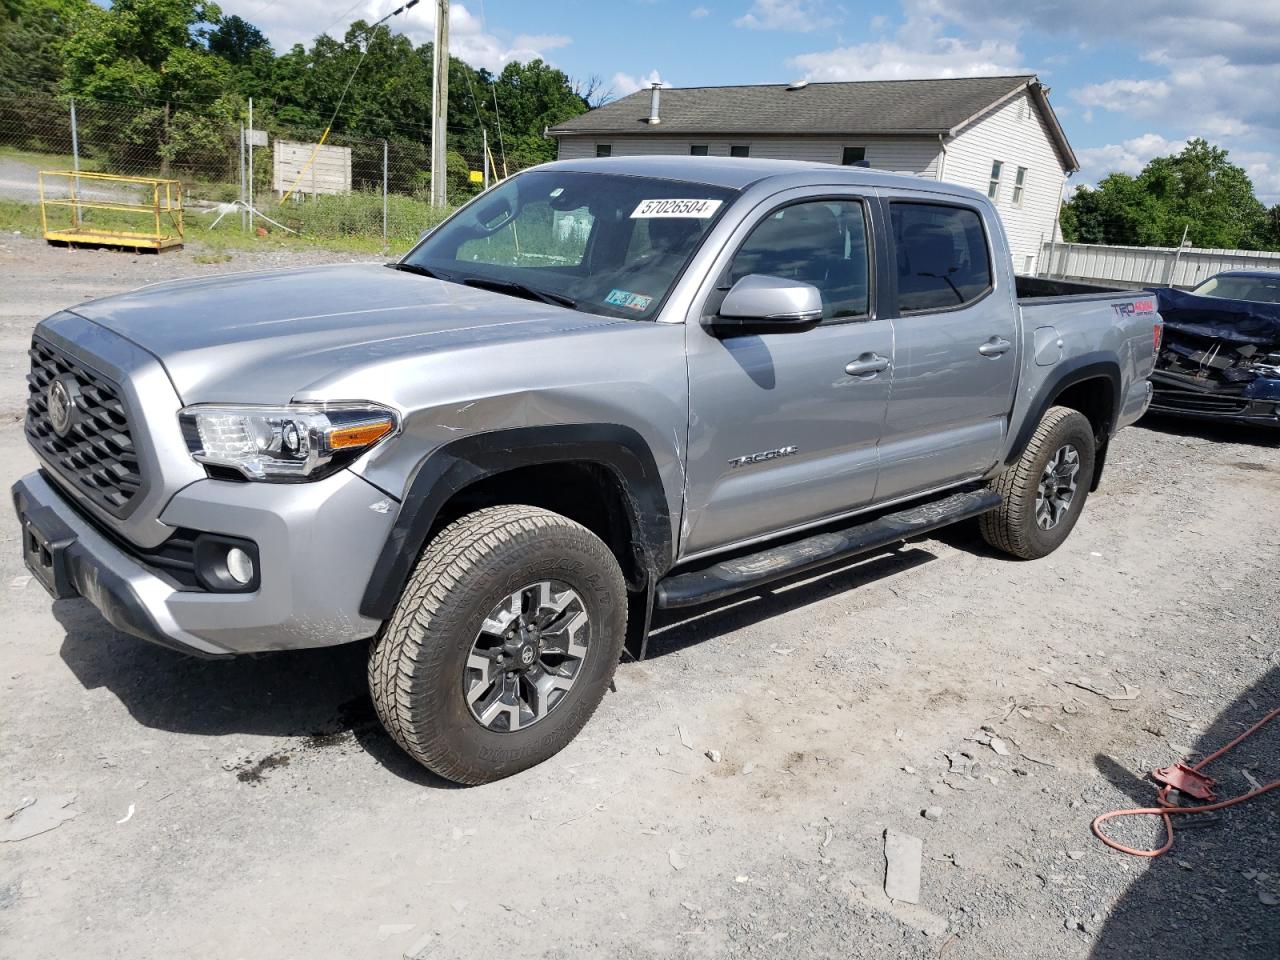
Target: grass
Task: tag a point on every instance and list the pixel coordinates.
(47, 161)
(347, 224)
(356, 215)
(21, 218)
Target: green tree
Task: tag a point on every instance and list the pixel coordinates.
(1271, 229)
(532, 97)
(1197, 190)
(153, 56)
(236, 40)
(32, 34)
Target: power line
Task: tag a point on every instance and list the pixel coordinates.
(373, 30)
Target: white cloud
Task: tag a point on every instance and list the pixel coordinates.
(1129, 156)
(901, 60)
(1219, 65)
(623, 84)
(1263, 169)
(286, 22)
(1184, 67)
(699, 13)
(799, 16)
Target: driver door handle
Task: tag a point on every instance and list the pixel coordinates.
(994, 347)
(867, 365)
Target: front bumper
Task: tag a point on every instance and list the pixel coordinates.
(1220, 408)
(317, 544)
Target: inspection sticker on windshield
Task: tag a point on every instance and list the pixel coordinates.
(687, 209)
(632, 301)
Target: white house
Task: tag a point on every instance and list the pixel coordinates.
(994, 134)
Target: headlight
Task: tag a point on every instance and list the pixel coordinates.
(301, 441)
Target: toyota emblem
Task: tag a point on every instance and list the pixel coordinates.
(61, 407)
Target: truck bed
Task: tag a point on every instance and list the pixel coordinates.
(1042, 288)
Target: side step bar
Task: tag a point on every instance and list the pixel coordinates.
(743, 573)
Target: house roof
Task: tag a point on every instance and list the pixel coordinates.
(862, 108)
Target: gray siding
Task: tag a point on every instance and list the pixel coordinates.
(1016, 133)
(918, 155)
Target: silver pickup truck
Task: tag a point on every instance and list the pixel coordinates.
(599, 389)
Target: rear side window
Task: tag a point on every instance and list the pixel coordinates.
(942, 256)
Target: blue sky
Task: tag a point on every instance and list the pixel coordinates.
(1130, 79)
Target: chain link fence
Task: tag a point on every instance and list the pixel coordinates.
(276, 177)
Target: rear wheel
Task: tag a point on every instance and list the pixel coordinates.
(502, 645)
(1044, 492)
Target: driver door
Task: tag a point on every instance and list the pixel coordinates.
(781, 434)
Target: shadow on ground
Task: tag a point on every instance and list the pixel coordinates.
(1200, 899)
(1210, 430)
(674, 630)
(317, 694)
(322, 695)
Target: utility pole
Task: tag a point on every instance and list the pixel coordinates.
(250, 185)
(440, 106)
(75, 159)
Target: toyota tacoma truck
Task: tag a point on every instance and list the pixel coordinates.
(600, 389)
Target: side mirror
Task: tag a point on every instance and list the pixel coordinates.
(762, 304)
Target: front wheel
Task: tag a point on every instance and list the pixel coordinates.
(503, 644)
(1043, 493)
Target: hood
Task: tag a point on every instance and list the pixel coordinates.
(264, 337)
(1215, 318)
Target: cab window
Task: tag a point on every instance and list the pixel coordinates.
(822, 242)
(943, 261)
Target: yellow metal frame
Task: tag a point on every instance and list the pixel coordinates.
(165, 210)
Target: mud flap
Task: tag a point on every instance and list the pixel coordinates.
(639, 617)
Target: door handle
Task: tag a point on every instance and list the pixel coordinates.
(994, 347)
(867, 366)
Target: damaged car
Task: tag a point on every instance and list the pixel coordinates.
(1220, 357)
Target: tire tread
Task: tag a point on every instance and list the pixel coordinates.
(411, 641)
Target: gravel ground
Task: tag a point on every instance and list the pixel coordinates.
(254, 808)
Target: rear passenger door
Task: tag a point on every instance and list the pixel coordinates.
(955, 348)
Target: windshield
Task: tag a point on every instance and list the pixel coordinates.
(602, 243)
(1258, 289)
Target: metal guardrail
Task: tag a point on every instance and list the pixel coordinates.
(102, 209)
(1148, 266)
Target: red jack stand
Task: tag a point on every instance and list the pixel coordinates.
(1186, 780)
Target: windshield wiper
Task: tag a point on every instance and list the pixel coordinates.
(415, 268)
(520, 290)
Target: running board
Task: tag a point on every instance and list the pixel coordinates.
(743, 573)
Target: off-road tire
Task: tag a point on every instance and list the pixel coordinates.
(1012, 526)
(417, 663)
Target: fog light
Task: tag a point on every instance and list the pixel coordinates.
(239, 565)
(226, 564)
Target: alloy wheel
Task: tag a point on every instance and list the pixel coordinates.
(1057, 487)
(527, 656)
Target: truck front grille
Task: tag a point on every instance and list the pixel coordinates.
(93, 452)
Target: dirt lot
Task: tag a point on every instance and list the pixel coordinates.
(253, 808)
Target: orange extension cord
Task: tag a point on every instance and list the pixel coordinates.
(1166, 809)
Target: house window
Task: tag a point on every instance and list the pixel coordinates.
(852, 155)
(740, 150)
(1019, 184)
(698, 150)
(604, 150)
(993, 190)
